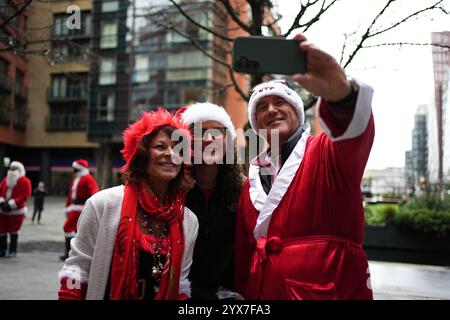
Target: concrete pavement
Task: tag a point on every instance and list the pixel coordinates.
(33, 273)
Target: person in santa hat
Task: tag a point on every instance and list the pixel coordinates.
(82, 187)
(300, 218)
(135, 241)
(216, 184)
(15, 190)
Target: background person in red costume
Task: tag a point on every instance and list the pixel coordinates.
(15, 190)
(82, 187)
(135, 241)
(300, 219)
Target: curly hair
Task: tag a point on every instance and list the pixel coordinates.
(137, 171)
(233, 177)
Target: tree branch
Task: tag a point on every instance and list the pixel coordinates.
(18, 12)
(318, 15)
(195, 43)
(434, 6)
(366, 35)
(407, 44)
(234, 16)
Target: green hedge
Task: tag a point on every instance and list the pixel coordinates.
(380, 213)
(425, 220)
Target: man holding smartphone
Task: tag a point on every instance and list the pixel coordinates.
(300, 219)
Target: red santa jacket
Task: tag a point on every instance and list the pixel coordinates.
(304, 239)
(20, 193)
(81, 189)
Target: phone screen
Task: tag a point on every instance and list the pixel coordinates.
(273, 55)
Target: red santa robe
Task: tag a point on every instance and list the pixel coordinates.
(10, 222)
(83, 186)
(304, 239)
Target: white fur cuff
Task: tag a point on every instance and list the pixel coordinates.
(185, 287)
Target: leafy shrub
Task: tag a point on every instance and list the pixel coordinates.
(380, 213)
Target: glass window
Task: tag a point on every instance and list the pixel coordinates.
(59, 86)
(3, 68)
(107, 71)
(108, 34)
(105, 110)
(141, 70)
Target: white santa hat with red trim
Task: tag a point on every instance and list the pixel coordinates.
(20, 166)
(80, 164)
(206, 111)
(274, 88)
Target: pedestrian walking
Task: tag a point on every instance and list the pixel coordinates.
(39, 196)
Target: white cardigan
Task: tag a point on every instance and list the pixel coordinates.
(91, 251)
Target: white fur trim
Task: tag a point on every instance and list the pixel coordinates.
(281, 184)
(74, 188)
(12, 204)
(276, 89)
(17, 212)
(74, 207)
(257, 194)
(82, 172)
(185, 287)
(73, 274)
(70, 234)
(2, 200)
(363, 111)
(206, 111)
(20, 166)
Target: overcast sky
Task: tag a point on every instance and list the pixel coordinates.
(401, 77)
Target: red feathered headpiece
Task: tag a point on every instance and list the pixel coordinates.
(149, 121)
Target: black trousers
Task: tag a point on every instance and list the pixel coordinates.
(38, 211)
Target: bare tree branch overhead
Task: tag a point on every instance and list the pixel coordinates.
(186, 15)
(259, 17)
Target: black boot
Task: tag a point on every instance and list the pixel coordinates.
(66, 253)
(3, 242)
(13, 245)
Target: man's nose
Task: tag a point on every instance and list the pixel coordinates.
(271, 109)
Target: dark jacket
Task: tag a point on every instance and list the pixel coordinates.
(212, 264)
(39, 198)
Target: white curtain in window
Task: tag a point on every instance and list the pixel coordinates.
(142, 67)
(107, 71)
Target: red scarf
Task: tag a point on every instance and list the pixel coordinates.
(126, 255)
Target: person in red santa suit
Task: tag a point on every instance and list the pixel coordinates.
(300, 218)
(15, 190)
(82, 187)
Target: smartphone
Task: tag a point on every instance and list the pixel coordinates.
(274, 55)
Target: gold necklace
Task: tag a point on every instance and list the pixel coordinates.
(158, 229)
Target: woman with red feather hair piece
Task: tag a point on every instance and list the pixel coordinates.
(135, 241)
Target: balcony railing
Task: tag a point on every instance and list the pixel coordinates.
(65, 122)
(71, 94)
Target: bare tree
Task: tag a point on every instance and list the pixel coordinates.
(251, 17)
